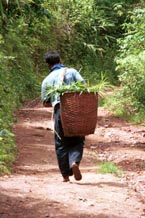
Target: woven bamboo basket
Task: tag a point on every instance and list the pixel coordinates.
(78, 113)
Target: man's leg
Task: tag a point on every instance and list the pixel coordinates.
(61, 148)
(75, 156)
(69, 150)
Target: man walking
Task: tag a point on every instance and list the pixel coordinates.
(69, 150)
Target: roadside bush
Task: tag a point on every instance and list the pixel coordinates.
(7, 150)
(131, 64)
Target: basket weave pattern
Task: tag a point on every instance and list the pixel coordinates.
(79, 113)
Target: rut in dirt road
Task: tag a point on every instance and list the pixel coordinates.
(35, 188)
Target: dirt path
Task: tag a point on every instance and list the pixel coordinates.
(35, 189)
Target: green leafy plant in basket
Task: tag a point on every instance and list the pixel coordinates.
(78, 86)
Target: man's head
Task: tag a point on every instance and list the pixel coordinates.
(52, 58)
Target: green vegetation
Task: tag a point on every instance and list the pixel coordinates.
(131, 65)
(97, 37)
(7, 151)
(78, 86)
(120, 106)
(109, 167)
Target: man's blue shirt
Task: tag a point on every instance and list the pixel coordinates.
(55, 79)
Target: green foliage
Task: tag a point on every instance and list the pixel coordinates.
(21, 50)
(78, 87)
(109, 167)
(86, 35)
(7, 150)
(131, 64)
(121, 106)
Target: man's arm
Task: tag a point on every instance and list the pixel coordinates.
(45, 100)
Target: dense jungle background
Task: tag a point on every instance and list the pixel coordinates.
(100, 38)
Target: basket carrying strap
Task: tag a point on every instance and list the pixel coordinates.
(63, 75)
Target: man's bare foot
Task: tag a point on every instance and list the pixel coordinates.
(66, 179)
(76, 171)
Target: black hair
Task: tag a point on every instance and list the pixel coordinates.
(52, 58)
